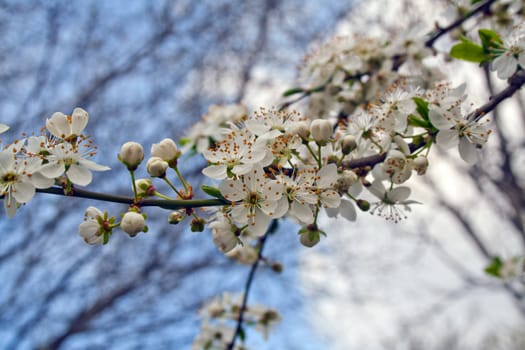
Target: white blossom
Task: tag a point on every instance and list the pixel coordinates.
(237, 154)
(67, 127)
(19, 179)
(65, 158)
(455, 130)
(91, 229)
(256, 199)
(392, 201)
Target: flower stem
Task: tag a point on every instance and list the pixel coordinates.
(172, 204)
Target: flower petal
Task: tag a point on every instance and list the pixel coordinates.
(439, 121)
(347, 210)
(23, 192)
(468, 151)
(328, 176)
(233, 190)
(447, 138)
(79, 175)
(52, 170)
(330, 199)
(79, 120)
(399, 194)
(303, 212)
(217, 172)
(3, 128)
(91, 165)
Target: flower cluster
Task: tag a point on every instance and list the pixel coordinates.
(216, 332)
(277, 163)
(59, 156)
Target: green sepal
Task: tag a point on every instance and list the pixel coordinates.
(494, 267)
(212, 191)
(105, 238)
(292, 91)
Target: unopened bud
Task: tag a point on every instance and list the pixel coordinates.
(348, 144)
(132, 223)
(197, 225)
(277, 267)
(345, 180)
(157, 167)
(131, 154)
(310, 235)
(144, 187)
(166, 150)
(321, 131)
(301, 129)
(363, 204)
(421, 165)
(176, 217)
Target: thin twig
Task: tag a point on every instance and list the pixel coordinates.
(482, 7)
(240, 320)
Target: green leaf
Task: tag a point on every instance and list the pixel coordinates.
(418, 122)
(494, 267)
(473, 2)
(292, 91)
(212, 191)
(242, 334)
(184, 141)
(490, 39)
(421, 107)
(468, 51)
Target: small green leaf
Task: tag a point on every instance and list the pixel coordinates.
(490, 39)
(494, 267)
(212, 191)
(473, 2)
(418, 122)
(421, 107)
(242, 334)
(292, 91)
(468, 51)
(184, 141)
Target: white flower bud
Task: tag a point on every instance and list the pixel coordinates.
(321, 130)
(157, 167)
(176, 217)
(131, 154)
(348, 144)
(345, 180)
(165, 149)
(225, 240)
(301, 129)
(132, 223)
(421, 165)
